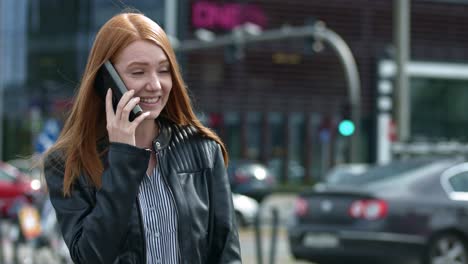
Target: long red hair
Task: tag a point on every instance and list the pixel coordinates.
(86, 123)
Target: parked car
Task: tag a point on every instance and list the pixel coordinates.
(246, 209)
(15, 185)
(250, 178)
(415, 209)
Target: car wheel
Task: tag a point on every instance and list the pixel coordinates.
(447, 248)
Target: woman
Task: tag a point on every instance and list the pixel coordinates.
(151, 190)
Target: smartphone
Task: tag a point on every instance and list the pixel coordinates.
(107, 77)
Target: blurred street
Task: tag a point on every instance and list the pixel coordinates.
(283, 202)
(27, 254)
(249, 249)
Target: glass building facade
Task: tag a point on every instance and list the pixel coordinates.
(277, 102)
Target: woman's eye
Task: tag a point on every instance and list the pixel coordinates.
(137, 72)
(164, 70)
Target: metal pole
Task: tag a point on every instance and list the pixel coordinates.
(401, 20)
(318, 31)
(258, 238)
(354, 86)
(274, 235)
(170, 17)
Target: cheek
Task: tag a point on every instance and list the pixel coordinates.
(167, 86)
(133, 85)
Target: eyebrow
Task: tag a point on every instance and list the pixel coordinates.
(146, 63)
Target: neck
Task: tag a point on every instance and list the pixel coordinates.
(145, 133)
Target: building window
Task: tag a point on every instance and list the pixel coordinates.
(276, 143)
(438, 109)
(297, 149)
(254, 135)
(233, 134)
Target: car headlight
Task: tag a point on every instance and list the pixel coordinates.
(35, 184)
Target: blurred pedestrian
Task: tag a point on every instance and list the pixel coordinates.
(151, 190)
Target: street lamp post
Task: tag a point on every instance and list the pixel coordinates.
(402, 43)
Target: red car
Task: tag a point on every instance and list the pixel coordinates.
(15, 186)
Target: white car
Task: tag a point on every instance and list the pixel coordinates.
(246, 209)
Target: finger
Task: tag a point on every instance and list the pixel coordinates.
(140, 118)
(129, 107)
(131, 104)
(123, 102)
(109, 109)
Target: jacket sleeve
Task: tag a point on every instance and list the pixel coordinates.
(225, 244)
(94, 228)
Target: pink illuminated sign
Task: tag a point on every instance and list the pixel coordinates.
(211, 15)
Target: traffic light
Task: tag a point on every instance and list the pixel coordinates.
(346, 126)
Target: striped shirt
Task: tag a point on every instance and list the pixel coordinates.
(159, 220)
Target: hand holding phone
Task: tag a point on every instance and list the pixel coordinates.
(107, 77)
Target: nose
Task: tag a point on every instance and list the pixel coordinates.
(154, 82)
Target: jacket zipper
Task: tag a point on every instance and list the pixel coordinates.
(157, 148)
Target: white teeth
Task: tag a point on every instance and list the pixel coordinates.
(149, 100)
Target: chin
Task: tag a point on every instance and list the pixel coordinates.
(153, 115)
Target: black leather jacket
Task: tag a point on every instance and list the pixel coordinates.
(105, 225)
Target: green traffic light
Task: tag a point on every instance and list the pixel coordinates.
(346, 128)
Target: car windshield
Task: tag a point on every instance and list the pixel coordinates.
(379, 173)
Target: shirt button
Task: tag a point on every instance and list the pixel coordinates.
(156, 234)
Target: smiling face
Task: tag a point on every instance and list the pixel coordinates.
(144, 67)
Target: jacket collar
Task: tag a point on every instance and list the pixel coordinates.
(164, 137)
(165, 132)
